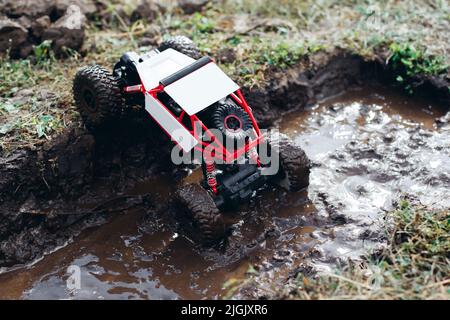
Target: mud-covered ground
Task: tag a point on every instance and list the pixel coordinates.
(369, 147)
(40, 184)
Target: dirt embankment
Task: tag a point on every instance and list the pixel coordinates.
(51, 193)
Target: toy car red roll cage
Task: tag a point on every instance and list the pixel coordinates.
(219, 151)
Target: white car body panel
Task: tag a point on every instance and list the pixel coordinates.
(170, 124)
(201, 88)
(159, 66)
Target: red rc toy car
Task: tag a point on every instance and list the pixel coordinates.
(200, 108)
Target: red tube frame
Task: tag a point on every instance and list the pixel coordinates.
(219, 151)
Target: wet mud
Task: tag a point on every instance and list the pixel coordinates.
(44, 188)
(368, 146)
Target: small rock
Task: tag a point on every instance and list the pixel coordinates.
(226, 55)
(278, 258)
(19, 101)
(46, 95)
(40, 25)
(72, 19)
(29, 8)
(191, 6)
(443, 121)
(151, 37)
(67, 31)
(146, 42)
(388, 137)
(147, 10)
(12, 36)
(24, 93)
(29, 206)
(337, 217)
(22, 96)
(25, 22)
(88, 7)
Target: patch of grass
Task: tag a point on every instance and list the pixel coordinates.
(415, 264)
(27, 119)
(408, 61)
(200, 23)
(282, 55)
(43, 52)
(415, 61)
(15, 74)
(232, 285)
(213, 32)
(33, 119)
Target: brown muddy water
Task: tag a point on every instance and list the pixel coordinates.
(368, 147)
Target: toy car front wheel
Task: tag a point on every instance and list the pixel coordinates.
(198, 206)
(97, 95)
(293, 174)
(181, 44)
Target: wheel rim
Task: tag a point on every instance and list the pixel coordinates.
(233, 123)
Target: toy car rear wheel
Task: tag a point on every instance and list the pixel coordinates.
(231, 120)
(198, 206)
(294, 171)
(97, 96)
(181, 44)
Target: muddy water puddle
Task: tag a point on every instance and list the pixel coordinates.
(368, 147)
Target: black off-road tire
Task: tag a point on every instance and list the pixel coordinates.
(97, 96)
(198, 206)
(227, 111)
(293, 174)
(181, 44)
